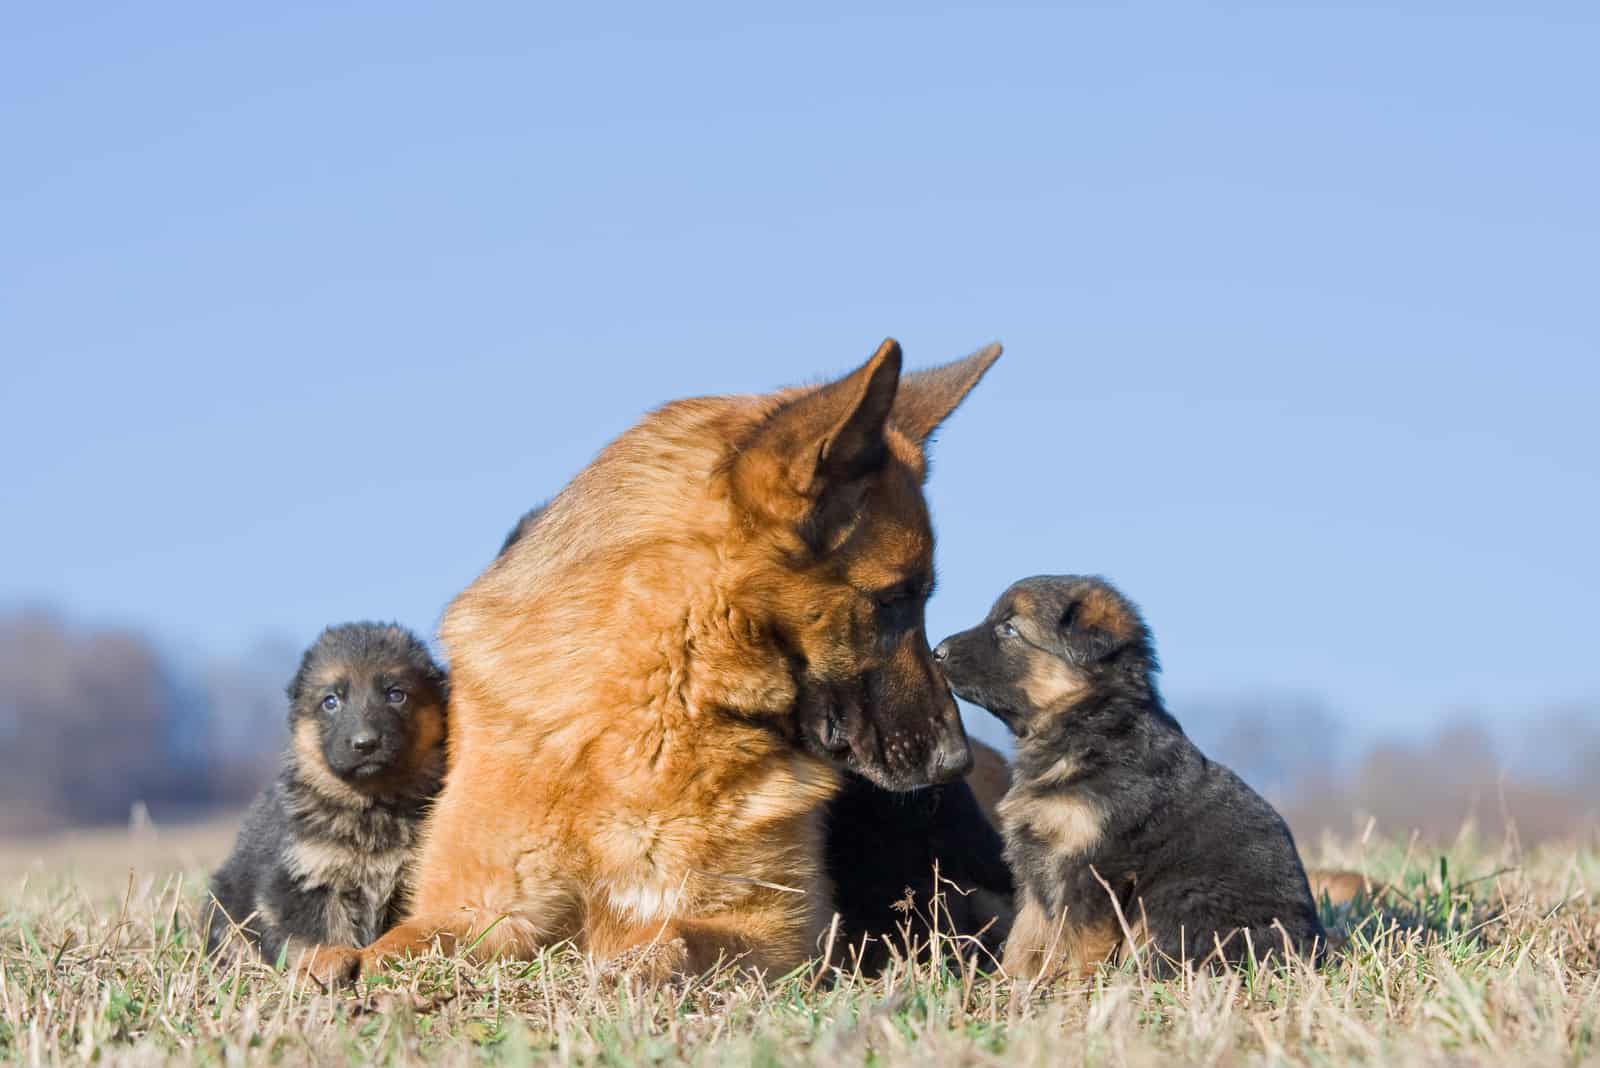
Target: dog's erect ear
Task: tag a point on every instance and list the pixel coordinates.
(926, 398)
(1096, 623)
(829, 436)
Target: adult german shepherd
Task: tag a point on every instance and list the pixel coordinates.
(654, 688)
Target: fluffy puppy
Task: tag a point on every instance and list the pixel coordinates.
(1116, 825)
(323, 852)
(882, 849)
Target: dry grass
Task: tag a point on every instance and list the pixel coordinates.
(1481, 956)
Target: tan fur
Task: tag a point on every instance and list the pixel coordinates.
(1100, 610)
(1341, 887)
(307, 743)
(370, 880)
(989, 779)
(619, 771)
(1051, 683)
(1059, 772)
(1071, 824)
(1042, 945)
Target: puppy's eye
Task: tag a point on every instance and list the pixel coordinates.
(395, 696)
(1007, 630)
(330, 703)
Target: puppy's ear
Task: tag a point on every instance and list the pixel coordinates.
(1083, 631)
(821, 442)
(928, 397)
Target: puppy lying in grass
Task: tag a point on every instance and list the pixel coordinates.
(323, 853)
(1117, 828)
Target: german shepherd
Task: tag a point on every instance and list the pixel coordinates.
(656, 686)
(323, 852)
(1116, 825)
(883, 849)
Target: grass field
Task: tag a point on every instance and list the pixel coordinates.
(1479, 956)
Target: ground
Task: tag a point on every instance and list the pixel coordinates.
(1481, 954)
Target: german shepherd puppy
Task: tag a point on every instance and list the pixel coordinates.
(654, 689)
(883, 847)
(1116, 823)
(882, 851)
(323, 852)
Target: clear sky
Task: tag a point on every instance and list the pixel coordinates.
(301, 305)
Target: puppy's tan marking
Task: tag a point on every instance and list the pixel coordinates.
(429, 733)
(1072, 825)
(1044, 946)
(314, 768)
(1051, 683)
(326, 863)
(1100, 610)
(1341, 887)
(1059, 772)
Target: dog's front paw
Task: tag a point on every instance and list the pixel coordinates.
(651, 963)
(330, 967)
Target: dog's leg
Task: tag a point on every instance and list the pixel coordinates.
(330, 966)
(1035, 943)
(774, 936)
(483, 886)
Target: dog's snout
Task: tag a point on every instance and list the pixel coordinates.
(364, 741)
(942, 651)
(951, 761)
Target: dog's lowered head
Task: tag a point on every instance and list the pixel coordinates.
(830, 484)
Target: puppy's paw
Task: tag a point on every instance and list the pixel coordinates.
(330, 967)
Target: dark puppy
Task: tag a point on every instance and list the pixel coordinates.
(1107, 787)
(323, 852)
(883, 848)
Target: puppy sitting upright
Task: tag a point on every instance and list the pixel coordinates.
(1107, 787)
(322, 855)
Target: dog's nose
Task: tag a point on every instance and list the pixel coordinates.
(941, 651)
(951, 761)
(364, 742)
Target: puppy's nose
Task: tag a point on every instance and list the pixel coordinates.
(364, 742)
(941, 651)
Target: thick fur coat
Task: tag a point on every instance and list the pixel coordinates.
(656, 686)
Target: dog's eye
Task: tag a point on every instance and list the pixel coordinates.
(395, 696)
(1007, 630)
(330, 703)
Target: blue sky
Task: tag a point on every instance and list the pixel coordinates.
(301, 305)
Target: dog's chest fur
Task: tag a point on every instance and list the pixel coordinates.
(354, 862)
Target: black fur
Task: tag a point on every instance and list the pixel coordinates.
(323, 852)
(882, 848)
(525, 524)
(1186, 846)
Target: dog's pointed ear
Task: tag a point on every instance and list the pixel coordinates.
(926, 398)
(828, 436)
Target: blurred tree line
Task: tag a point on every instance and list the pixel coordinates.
(93, 721)
(1538, 777)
